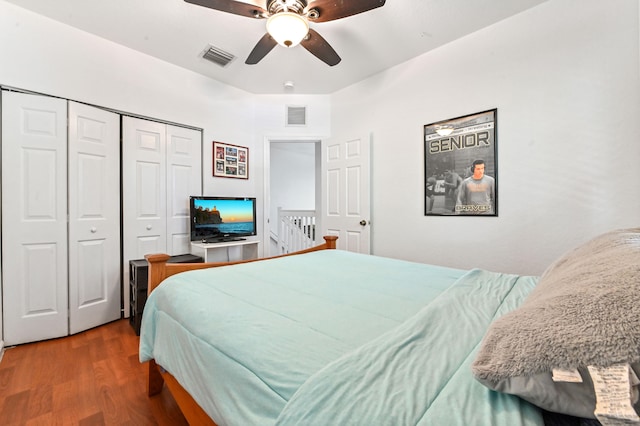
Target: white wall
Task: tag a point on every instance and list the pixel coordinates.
(44, 56)
(565, 79)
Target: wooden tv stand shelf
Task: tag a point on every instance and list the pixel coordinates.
(227, 251)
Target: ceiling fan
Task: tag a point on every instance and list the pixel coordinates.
(288, 22)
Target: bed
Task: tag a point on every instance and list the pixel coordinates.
(332, 337)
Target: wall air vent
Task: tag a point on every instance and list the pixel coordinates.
(296, 116)
(217, 56)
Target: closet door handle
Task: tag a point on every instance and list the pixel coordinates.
(149, 227)
(93, 229)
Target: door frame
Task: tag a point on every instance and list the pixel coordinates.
(266, 206)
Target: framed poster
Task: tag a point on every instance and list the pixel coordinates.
(230, 161)
(461, 167)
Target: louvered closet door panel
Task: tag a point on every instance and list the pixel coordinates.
(34, 217)
(184, 178)
(94, 217)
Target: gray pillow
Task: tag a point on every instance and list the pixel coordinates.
(584, 311)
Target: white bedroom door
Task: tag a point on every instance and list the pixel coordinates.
(184, 178)
(34, 217)
(94, 217)
(346, 207)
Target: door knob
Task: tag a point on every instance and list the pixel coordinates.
(149, 227)
(93, 229)
(363, 222)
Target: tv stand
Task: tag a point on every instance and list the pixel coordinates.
(226, 251)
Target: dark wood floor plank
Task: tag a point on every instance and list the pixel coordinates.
(6, 382)
(93, 378)
(14, 408)
(74, 400)
(95, 420)
(40, 401)
(45, 419)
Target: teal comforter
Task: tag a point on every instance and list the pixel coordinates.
(333, 337)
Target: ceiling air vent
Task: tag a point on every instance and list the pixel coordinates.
(217, 56)
(296, 116)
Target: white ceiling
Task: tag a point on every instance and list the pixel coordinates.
(179, 32)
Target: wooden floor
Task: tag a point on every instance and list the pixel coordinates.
(91, 378)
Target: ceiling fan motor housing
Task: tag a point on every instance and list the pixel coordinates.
(295, 6)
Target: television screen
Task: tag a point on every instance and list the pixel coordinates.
(218, 219)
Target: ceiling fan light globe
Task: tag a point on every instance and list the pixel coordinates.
(287, 28)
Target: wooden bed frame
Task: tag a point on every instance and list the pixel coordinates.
(159, 269)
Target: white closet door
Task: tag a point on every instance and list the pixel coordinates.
(184, 178)
(94, 217)
(34, 217)
(144, 188)
(144, 176)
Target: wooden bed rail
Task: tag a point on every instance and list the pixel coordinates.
(158, 270)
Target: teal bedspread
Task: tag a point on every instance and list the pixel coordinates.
(333, 337)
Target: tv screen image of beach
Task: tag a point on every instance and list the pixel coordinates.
(223, 217)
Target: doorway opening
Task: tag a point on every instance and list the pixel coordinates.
(292, 186)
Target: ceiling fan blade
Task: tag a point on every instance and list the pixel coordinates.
(264, 46)
(319, 47)
(252, 10)
(330, 10)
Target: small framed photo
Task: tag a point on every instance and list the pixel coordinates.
(230, 161)
(461, 167)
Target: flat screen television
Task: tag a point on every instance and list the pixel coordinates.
(220, 219)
